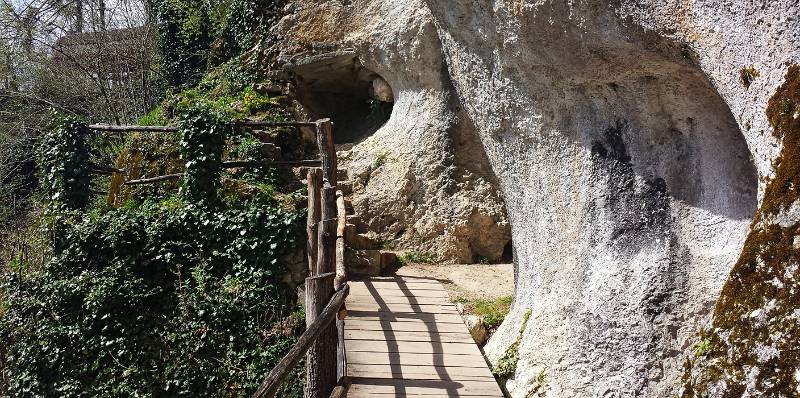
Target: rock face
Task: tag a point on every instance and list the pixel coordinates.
(421, 180)
(630, 143)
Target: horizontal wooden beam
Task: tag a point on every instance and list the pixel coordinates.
(231, 164)
(225, 165)
(256, 123)
(298, 350)
(119, 128)
(105, 169)
(154, 179)
(132, 128)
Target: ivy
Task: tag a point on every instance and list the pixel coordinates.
(64, 160)
(197, 34)
(173, 295)
(203, 136)
(64, 157)
(156, 300)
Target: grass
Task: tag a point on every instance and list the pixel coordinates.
(493, 312)
(379, 161)
(480, 259)
(413, 256)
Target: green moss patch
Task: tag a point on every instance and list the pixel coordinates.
(506, 366)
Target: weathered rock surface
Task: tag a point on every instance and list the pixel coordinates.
(421, 180)
(630, 143)
(476, 327)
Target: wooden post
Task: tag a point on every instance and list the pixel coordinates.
(327, 151)
(314, 179)
(326, 249)
(278, 374)
(321, 372)
(341, 226)
(321, 359)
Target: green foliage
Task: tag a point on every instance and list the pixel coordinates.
(481, 259)
(413, 256)
(379, 161)
(702, 347)
(493, 312)
(171, 295)
(160, 299)
(64, 158)
(253, 101)
(203, 136)
(153, 118)
(196, 34)
(507, 364)
(184, 40)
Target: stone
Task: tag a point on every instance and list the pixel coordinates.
(476, 327)
(616, 141)
(381, 90)
(358, 241)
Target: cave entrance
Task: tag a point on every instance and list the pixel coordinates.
(338, 86)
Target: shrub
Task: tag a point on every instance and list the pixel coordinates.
(154, 300)
(165, 296)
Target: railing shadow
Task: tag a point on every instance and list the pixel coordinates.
(429, 320)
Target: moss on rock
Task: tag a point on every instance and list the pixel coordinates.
(756, 328)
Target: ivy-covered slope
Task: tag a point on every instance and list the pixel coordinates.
(176, 288)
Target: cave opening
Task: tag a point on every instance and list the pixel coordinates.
(508, 253)
(337, 86)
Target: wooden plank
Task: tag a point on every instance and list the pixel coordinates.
(341, 215)
(453, 388)
(375, 316)
(406, 286)
(419, 372)
(406, 358)
(398, 307)
(416, 347)
(327, 153)
(403, 278)
(450, 337)
(367, 298)
(363, 291)
(405, 326)
(405, 338)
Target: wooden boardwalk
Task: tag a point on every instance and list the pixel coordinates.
(404, 338)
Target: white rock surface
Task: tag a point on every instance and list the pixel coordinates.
(626, 148)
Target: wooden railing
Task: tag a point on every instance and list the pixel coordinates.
(326, 287)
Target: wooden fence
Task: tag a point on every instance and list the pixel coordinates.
(326, 286)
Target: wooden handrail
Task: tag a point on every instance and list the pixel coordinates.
(142, 181)
(122, 128)
(276, 377)
(232, 164)
(131, 128)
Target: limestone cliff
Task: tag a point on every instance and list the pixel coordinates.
(631, 145)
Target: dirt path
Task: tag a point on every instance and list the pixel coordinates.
(468, 281)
